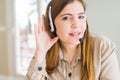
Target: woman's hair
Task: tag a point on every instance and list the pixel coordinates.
(52, 57)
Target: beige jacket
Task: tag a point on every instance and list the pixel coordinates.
(105, 63)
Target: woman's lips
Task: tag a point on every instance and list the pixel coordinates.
(74, 34)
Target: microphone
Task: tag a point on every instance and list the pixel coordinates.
(81, 39)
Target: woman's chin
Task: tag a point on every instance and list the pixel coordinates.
(75, 42)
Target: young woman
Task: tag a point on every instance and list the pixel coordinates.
(65, 50)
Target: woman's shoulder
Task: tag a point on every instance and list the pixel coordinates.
(102, 40)
(103, 45)
(99, 37)
(105, 60)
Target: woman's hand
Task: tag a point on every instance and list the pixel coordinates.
(43, 40)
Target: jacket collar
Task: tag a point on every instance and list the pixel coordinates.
(78, 56)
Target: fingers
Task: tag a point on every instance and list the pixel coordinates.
(41, 26)
(41, 23)
(35, 31)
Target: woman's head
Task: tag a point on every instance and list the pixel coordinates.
(58, 5)
(69, 20)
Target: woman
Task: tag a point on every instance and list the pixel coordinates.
(65, 50)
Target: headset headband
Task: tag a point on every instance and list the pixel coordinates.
(50, 19)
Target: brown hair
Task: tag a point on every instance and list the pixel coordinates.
(52, 57)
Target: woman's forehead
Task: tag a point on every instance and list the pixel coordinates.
(75, 7)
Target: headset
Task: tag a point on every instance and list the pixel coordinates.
(51, 21)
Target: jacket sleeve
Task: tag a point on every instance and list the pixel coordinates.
(36, 71)
(109, 63)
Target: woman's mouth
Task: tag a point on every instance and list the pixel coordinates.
(75, 34)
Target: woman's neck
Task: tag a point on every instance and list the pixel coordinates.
(69, 52)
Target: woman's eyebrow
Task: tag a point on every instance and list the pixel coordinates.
(66, 14)
(71, 14)
(81, 13)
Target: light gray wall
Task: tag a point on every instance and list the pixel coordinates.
(104, 19)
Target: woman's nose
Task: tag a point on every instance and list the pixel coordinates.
(75, 23)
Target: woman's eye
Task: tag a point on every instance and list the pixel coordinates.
(65, 18)
(81, 17)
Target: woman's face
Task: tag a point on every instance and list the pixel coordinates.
(70, 23)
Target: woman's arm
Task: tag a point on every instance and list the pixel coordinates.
(36, 71)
